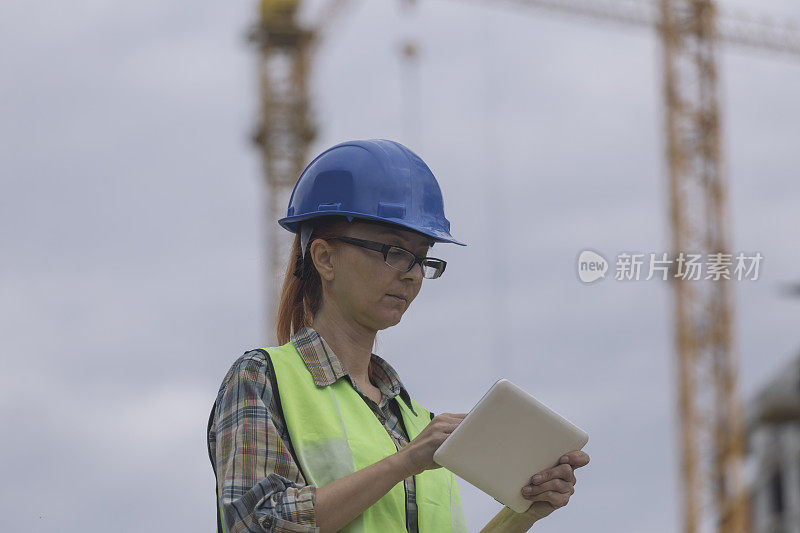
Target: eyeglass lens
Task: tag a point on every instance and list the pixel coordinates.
(403, 261)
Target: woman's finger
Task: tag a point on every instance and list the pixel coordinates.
(556, 499)
(563, 471)
(575, 458)
(555, 485)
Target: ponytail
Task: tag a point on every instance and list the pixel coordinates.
(301, 294)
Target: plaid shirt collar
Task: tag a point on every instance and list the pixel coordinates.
(326, 368)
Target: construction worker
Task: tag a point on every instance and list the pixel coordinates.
(319, 433)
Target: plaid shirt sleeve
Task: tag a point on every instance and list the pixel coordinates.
(260, 485)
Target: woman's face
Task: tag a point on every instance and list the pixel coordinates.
(363, 286)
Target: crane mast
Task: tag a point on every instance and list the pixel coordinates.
(712, 437)
(285, 129)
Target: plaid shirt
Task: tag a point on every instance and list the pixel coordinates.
(260, 485)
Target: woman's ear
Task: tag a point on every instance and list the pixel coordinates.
(322, 255)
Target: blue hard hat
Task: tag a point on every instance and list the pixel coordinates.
(373, 179)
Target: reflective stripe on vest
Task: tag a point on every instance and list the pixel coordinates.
(335, 433)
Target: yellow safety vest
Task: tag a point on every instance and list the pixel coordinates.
(334, 433)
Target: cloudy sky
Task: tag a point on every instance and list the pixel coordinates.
(131, 226)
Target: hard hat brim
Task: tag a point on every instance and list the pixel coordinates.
(291, 224)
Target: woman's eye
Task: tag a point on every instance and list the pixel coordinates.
(397, 254)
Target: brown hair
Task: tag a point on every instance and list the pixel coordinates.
(301, 294)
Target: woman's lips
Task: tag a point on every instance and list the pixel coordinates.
(397, 297)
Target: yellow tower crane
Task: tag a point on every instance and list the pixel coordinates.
(714, 495)
(285, 129)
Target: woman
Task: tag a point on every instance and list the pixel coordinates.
(320, 432)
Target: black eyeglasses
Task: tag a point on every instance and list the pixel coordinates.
(400, 258)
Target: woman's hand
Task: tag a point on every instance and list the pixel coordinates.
(418, 454)
(553, 487)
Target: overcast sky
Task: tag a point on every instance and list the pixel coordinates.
(130, 239)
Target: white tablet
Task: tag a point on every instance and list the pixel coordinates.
(504, 440)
